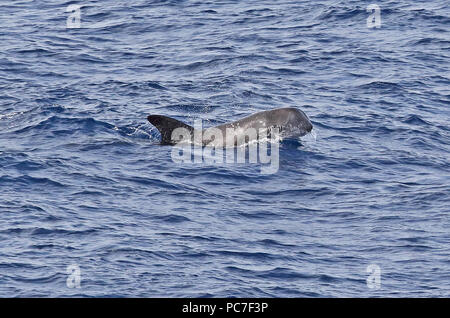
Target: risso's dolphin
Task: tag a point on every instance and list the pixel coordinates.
(285, 122)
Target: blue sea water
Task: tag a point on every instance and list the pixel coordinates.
(84, 181)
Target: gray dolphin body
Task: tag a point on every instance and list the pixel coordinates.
(290, 122)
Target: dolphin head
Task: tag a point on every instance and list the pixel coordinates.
(298, 122)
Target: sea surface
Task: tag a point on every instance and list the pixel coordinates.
(91, 205)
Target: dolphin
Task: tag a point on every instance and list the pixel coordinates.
(287, 122)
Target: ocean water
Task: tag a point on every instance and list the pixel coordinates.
(92, 205)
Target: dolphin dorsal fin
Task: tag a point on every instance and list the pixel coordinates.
(166, 126)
